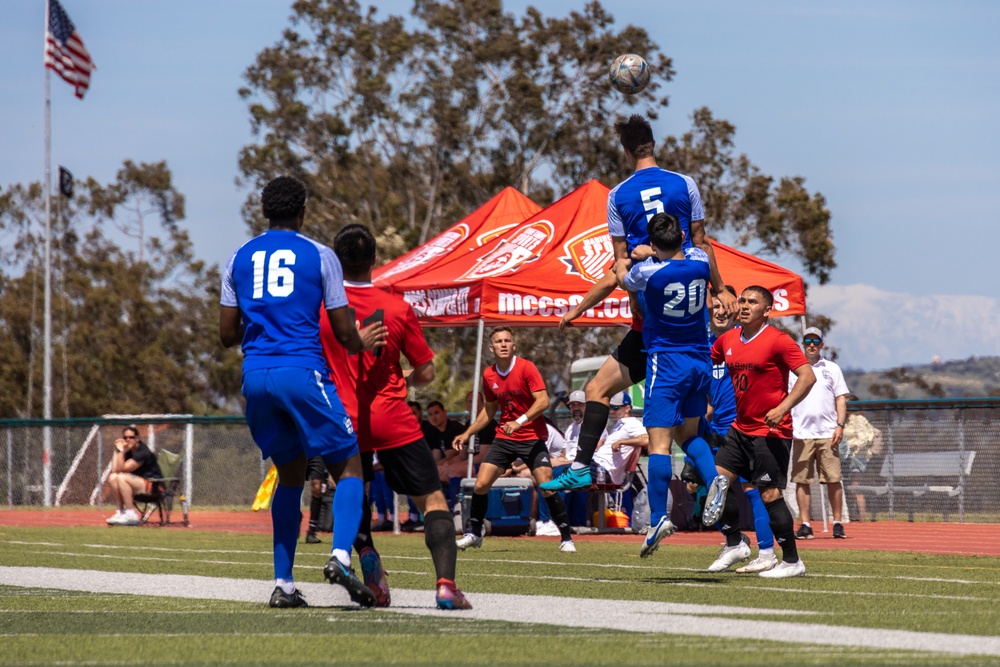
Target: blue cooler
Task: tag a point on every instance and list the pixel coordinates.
(509, 511)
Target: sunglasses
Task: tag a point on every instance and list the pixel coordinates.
(130, 437)
(616, 407)
(812, 341)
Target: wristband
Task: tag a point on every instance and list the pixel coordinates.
(522, 420)
(841, 424)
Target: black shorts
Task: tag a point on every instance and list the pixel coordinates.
(410, 470)
(368, 467)
(631, 353)
(316, 469)
(504, 452)
(760, 460)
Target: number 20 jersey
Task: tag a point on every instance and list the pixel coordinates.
(279, 281)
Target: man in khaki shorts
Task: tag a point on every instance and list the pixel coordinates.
(818, 427)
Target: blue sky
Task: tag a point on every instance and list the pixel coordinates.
(889, 109)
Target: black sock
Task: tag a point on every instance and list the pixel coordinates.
(315, 507)
(729, 522)
(439, 536)
(595, 420)
(783, 527)
(480, 503)
(557, 508)
(364, 538)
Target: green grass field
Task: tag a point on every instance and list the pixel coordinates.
(856, 589)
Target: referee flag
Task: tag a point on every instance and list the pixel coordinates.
(65, 53)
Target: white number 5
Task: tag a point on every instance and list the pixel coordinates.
(280, 279)
(650, 204)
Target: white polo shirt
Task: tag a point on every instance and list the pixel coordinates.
(816, 416)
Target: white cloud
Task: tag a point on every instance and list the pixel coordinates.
(878, 329)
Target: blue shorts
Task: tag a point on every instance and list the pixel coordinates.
(291, 411)
(677, 388)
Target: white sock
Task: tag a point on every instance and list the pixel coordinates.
(287, 585)
(343, 556)
(765, 552)
(578, 466)
(805, 523)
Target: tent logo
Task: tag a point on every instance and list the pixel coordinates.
(437, 247)
(589, 254)
(486, 237)
(524, 245)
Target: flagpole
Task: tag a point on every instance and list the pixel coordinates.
(47, 342)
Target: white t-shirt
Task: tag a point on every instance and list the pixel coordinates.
(555, 442)
(572, 438)
(614, 461)
(816, 416)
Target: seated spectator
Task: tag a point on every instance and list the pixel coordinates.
(622, 436)
(132, 466)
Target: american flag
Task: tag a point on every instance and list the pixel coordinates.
(65, 53)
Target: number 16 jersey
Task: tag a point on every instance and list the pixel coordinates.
(279, 281)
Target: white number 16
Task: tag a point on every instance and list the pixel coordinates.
(280, 279)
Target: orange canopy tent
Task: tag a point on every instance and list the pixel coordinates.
(504, 211)
(532, 273)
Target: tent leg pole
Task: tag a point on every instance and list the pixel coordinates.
(475, 391)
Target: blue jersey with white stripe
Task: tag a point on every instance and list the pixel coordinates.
(722, 396)
(672, 295)
(633, 202)
(280, 281)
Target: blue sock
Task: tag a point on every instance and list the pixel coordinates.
(347, 500)
(660, 470)
(286, 513)
(701, 456)
(761, 520)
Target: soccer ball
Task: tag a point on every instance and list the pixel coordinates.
(629, 74)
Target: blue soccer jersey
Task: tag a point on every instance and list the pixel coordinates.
(634, 201)
(722, 397)
(280, 280)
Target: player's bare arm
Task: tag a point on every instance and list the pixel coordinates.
(805, 379)
(230, 326)
(598, 293)
(345, 330)
(622, 261)
(420, 376)
(642, 252)
(540, 405)
(701, 240)
(484, 417)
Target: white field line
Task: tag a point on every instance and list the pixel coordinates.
(630, 616)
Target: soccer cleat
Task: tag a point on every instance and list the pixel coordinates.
(469, 540)
(344, 576)
(547, 529)
(762, 563)
(838, 531)
(804, 533)
(569, 480)
(715, 500)
(375, 576)
(730, 556)
(282, 600)
(567, 547)
(783, 570)
(311, 538)
(664, 528)
(450, 598)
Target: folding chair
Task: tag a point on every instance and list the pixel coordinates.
(161, 497)
(605, 489)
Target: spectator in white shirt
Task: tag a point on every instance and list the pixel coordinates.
(622, 436)
(818, 427)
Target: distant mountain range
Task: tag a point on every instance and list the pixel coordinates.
(876, 329)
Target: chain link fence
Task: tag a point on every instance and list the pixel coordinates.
(927, 460)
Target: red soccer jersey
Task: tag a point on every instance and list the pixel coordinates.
(759, 370)
(372, 388)
(513, 392)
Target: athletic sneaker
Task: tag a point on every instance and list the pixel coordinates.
(280, 599)
(715, 500)
(783, 570)
(569, 480)
(130, 518)
(311, 538)
(664, 528)
(469, 540)
(804, 533)
(337, 573)
(730, 556)
(567, 547)
(116, 518)
(375, 576)
(450, 598)
(838, 531)
(547, 529)
(762, 563)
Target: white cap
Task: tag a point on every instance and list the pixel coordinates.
(621, 398)
(577, 397)
(813, 331)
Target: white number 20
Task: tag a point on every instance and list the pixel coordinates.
(280, 279)
(694, 293)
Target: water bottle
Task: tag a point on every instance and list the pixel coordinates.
(601, 475)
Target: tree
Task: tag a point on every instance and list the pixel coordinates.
(134, 330)
(405, 125)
